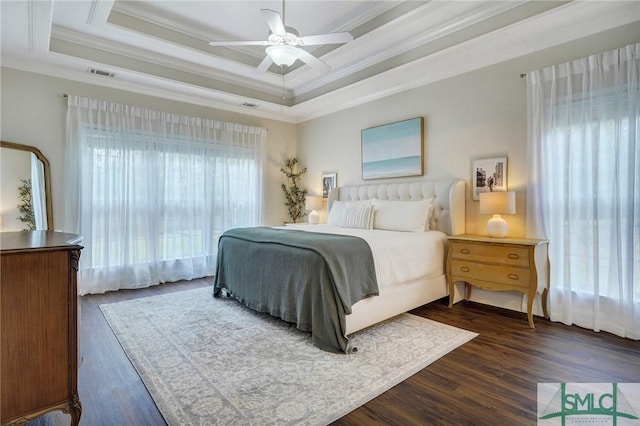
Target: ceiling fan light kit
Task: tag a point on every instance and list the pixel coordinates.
(283, 55)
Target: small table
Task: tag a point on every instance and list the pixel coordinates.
(500, 264)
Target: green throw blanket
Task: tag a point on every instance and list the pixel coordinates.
(307, 278)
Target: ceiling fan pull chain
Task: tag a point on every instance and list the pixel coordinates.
(282, 70)
(283, 97)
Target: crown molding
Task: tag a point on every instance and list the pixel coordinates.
(39, 17)
(156, 16)
(399, 39)
(168, 22)
(391, 39)
(153, 15)
(172, 91)
(559, 25)
(363, 18)
(165, 22)
(227, 72)
(93, 9)
(555, 26)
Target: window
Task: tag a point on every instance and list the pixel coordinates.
(155, 191)
(583, 191)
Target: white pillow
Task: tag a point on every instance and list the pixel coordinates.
(359, 217)
(408, 216)
(335, 214)
(338, 209)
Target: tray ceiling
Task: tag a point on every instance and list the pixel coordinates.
(160, 47)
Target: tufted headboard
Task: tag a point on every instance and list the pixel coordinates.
(450, 195)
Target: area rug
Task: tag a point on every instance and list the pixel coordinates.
(213, 361)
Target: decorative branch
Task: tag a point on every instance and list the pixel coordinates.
(294, 195)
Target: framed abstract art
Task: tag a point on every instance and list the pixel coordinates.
(393, 150)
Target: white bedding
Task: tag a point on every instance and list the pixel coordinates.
(399, 257)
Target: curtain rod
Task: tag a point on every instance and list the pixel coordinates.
(64, 95)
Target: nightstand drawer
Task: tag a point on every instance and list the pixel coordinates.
(492, 273)
(506, 255)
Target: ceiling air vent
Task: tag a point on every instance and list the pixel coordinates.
(101, 72)
(249, 105)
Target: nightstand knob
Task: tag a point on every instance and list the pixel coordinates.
(465, 251)
(513, 276)
(513, 256)
(464, 269)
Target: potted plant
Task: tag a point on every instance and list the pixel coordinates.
(25, 206)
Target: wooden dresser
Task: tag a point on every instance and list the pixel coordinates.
(500, 264)
(39, 311)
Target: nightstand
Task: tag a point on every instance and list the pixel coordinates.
(500, 264)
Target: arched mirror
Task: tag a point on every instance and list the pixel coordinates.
(25, 199)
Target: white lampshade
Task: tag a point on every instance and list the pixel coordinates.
(496, 203)
(313, 203)
(283, 55)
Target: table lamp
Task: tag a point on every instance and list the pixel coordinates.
(313, 203)
(497, 203)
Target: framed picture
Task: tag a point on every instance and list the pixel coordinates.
(393, 150)
(489, 175)
(329, 181)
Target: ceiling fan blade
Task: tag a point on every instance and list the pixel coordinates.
(313, 62)
(264, 65)
(274, 21)
(240, 43)
(333, 38)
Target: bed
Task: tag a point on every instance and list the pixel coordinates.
(408, 261)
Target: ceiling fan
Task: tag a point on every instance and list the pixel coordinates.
(284, 44)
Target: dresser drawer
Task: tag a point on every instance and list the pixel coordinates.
(490, 253)
(518, 277)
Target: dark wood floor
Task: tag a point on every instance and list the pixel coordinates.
(492, 380)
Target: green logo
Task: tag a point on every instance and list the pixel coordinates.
(591, 402)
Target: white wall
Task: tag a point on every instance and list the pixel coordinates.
(480, 114)
(34, 111)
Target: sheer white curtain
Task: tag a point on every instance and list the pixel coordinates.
(151, 192)
(584, 187)
(38, 193)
